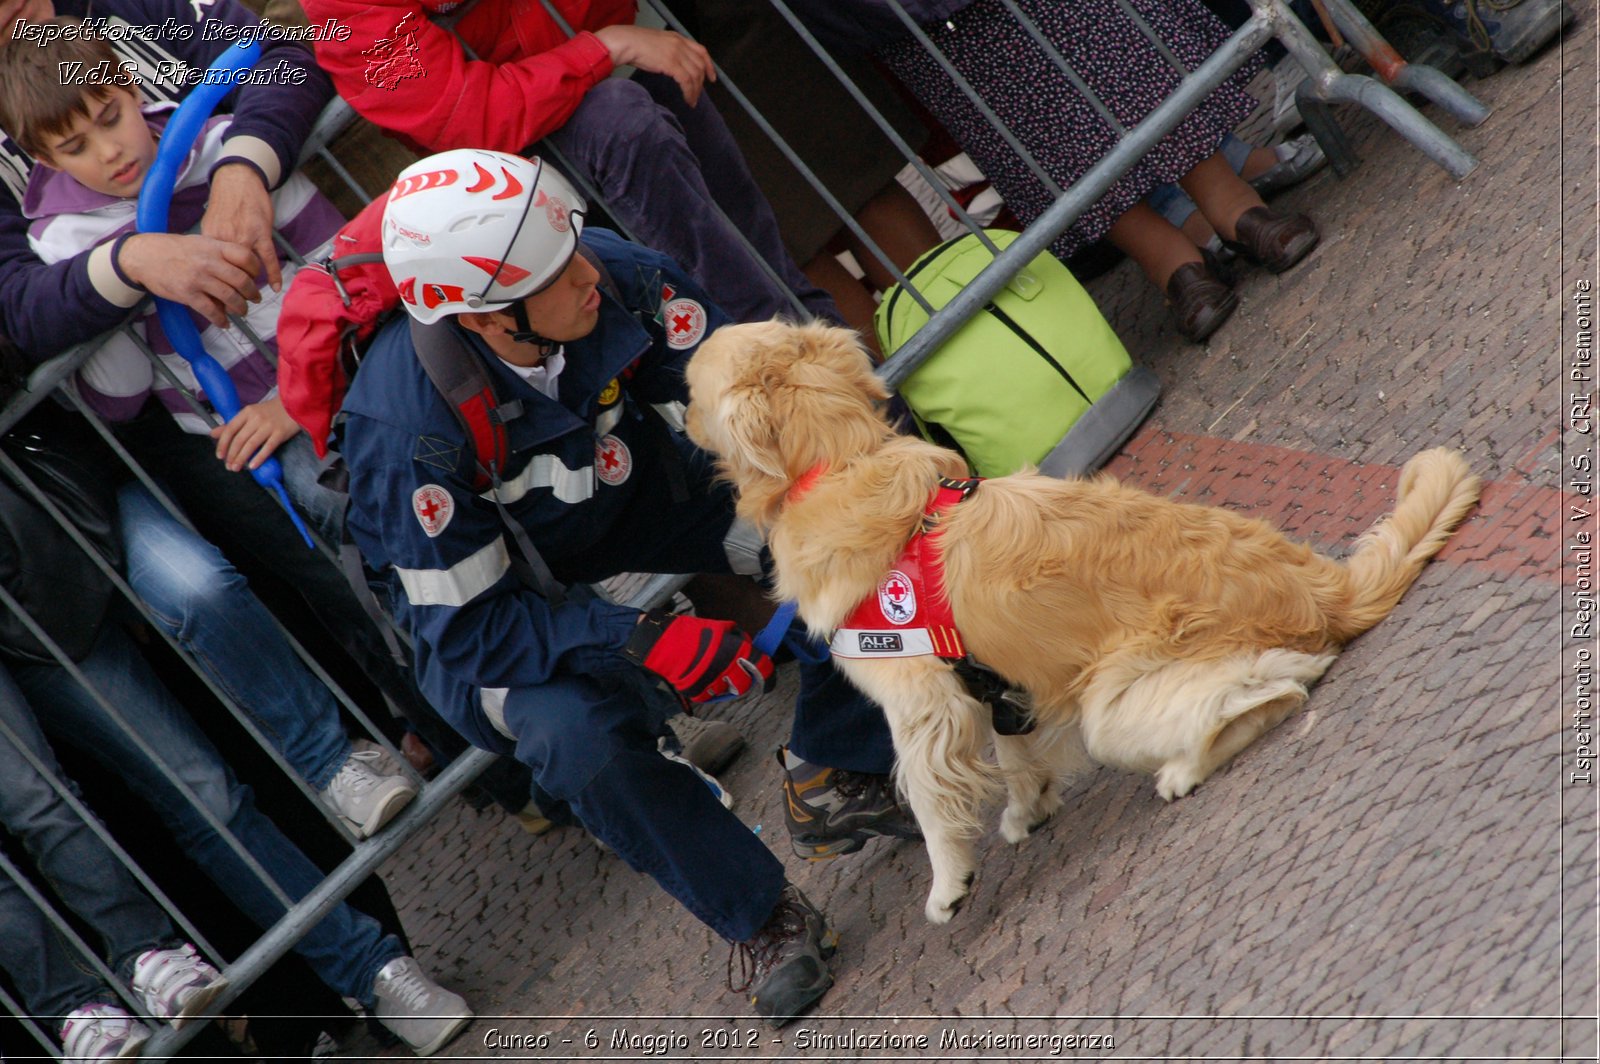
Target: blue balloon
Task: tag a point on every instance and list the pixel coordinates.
(155, 200)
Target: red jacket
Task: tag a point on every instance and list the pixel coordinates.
(416, 81)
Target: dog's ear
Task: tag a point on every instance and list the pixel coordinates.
(824, 396)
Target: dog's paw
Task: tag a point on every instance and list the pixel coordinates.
(944, 903)
(1175, 779)
(1019, 821)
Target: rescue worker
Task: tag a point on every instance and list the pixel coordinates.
(597, 479)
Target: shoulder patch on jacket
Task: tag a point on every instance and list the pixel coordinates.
(439, 453)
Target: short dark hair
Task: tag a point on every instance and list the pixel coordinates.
(36, 101)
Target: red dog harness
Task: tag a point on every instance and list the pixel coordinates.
(910, 616)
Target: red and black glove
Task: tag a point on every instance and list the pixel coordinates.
(702, 660)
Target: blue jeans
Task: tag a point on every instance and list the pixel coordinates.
(52, 979)
(204, 603)
(346, 948)
(663, 168)
(1174, 204)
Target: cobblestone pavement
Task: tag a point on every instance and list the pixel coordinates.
(1402, 870)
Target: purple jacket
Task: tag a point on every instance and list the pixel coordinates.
(46, 309)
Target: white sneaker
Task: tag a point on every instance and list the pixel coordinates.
(364, 798)
(424, 1014)
(724, 795)
(176, 984)
(101, 1032)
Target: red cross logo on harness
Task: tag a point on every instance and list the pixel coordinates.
(897, 598)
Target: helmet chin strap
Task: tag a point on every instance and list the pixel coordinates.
(524, 334)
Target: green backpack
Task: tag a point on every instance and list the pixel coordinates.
(1035, 378)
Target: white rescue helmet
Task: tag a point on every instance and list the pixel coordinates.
(470, 231)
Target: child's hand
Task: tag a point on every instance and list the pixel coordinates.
(240, 211)
(260, 429)
(661, 52)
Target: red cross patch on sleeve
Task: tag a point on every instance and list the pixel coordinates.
(685, 322)
(434, 507)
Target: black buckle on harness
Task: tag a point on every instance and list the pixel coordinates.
(1009, 707)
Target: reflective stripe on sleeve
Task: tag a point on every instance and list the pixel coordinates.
(459, 584)
(547, 471)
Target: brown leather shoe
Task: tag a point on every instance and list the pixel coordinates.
(1200, 300)
(1276, 241)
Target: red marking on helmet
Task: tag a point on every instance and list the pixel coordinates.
(406, 293)
(485, 179)
(418, 182)
(435, 294)
(504, 272)
(513, 186)
(539, 198)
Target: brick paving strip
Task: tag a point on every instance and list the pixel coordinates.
(1326, 500)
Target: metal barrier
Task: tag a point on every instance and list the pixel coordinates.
(1326, 86)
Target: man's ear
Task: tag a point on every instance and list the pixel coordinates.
(489, 323)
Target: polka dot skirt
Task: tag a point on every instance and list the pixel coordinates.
(1029, 92)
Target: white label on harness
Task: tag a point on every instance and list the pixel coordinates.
(685, 321)
(433, 507)
(612, 460)
(868, 643)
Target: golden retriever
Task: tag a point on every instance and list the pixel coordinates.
(1147, 634)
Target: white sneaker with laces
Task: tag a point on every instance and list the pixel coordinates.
(364, 798)
(101, 1032)
(424, 1014)
(176, 984)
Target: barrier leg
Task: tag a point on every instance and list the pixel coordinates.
(1393, 68)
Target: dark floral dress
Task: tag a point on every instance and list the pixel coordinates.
(1047, 113)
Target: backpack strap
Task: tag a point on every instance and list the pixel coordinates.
(466, 385)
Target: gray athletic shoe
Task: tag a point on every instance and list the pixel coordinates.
(421, 1012)
(365, 799)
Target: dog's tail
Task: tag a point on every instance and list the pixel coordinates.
(1436, 491)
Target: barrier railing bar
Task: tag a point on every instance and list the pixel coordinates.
(798, 163)
(1071, 75)
(1076, 200)
(762, 264)
(1154, 38)
(938, 56)
(884, 125)
(20, 1014)
(90, 820)
(254, 961)
(10, 468)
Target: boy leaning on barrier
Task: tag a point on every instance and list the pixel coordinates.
(77, 239)
(597, 479)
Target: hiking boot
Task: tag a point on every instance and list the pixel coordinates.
(421, 1012)
(101, 1032)
(364, 798)
(710, 745)
(833, 811)
(176, 984)
(784, 967)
